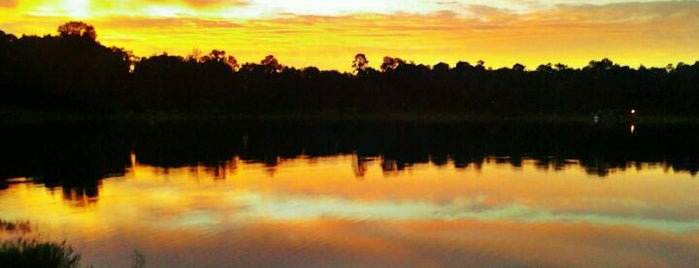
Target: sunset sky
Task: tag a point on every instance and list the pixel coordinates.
(327, 34)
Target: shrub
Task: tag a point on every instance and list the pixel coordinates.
(33, 253)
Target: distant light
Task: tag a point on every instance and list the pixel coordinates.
(633, 129)
(633, 111)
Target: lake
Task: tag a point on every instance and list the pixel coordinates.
(358, 194)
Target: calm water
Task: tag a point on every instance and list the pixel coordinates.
(222, 194)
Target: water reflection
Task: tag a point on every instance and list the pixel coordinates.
(360, 165)
(232, 193)
(314, 211)
(76, 157)
(85, 194)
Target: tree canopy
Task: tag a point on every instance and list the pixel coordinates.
(74, 71)
(77, 28)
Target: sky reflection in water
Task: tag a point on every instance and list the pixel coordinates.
(318, 212)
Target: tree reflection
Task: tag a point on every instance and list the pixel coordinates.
(82, 195)
(399, 145)
(75, 158)
(360, 165)
(70, 158)
(389, 166)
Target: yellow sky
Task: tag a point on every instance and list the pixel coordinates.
(327, 34)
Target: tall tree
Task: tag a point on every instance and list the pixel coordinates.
(77, 28)
(220, 56)
(390, 63)
(360, 63)
(271, 64)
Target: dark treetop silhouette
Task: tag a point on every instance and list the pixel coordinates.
(74, 72)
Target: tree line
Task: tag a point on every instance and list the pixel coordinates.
(72, 71)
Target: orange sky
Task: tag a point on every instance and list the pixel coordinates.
(327, 35)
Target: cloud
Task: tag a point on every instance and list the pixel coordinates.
(8, 3)
(208, 3)
(631, 12)
(191, 3)
(499, 32)
(137, 23)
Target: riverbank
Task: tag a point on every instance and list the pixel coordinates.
(10, 117)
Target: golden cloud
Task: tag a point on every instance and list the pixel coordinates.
(653, 33)
(209, 3)
(8, 3)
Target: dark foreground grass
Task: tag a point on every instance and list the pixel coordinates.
(33, 253)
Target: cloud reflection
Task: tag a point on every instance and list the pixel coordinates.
(275, 208)
(316, 213)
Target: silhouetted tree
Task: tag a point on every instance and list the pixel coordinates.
(220, 56)
(6, 74)
(271, 64)
(6, 38)
(311, 73)
(390, 63)
(560, 66)
(545, 68)
(464, 66)
(360, 64)
(65, 72)
(73, 71)
(601, 65)
(518, 67)
(441, 67)
(77, 28)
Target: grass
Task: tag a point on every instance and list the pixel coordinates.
(13, 226)
(33, 253)
(22, 252)
(139, 261)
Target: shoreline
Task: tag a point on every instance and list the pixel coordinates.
(9, 117)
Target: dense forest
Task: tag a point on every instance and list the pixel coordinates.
(74, 72)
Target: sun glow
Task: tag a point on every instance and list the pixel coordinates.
(77, 8)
